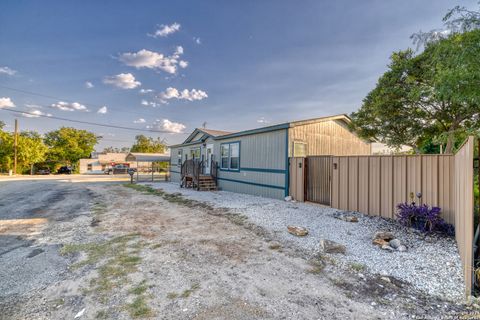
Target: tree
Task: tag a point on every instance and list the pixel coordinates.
(431, 95)
(31, 150)
(116, 150)
(6, 149)
(148, 145)
(68, 145)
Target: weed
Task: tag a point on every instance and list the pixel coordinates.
(317, 266)
(156, 246)
(357, 266)
(172, 295)
(140, 289)
(274, 246)
(102, 314)
(236, 218)
(139, 308)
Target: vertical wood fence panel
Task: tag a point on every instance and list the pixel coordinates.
(463, 185)
(318, 179)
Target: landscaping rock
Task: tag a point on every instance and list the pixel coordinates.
(288, 198)
(387, 247)
(395, 243)
(379, 242)
(328, 246)
(297, 231)
(384, 235)
(402, 248)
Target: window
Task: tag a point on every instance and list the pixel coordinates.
(195, 153)
(299, 149)
(89, 167)
(180, 156)
(230, 156)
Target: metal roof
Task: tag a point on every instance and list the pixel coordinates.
(148, 157)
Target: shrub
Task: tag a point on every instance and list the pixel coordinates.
(423, 218)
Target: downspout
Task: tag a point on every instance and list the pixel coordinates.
(287, 167)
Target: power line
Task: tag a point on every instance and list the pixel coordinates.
(87, 122)
(69, 100)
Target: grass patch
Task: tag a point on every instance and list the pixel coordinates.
(139, 308)
(156, 246)
(185, 293)
(236, 218)
(170, 197)
(140, 289)
(102, 314)
(357, 266)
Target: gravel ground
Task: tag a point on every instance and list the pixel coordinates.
(431, 264)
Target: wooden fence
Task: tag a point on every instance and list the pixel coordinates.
(464, 209)
(374, 185)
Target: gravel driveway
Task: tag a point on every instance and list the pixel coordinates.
(431, 264)
(97, 250)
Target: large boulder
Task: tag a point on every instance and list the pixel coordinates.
(328, 246)
(297, 231)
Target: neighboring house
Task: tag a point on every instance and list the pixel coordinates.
(257, 161)
(101, 161)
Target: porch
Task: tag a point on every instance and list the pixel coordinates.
(199, 174)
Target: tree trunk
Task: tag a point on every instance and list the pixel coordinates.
(31, 169)
(450, 141)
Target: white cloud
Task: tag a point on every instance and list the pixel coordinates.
(33, 106)
(185, 94)
(88, 85)
(123, 81)
(144, 91)
(6, 103)
(183, 64)
(36, 114)
(7, 71)
(167, 125)
(197, 40)
(263, 120)
(102, 110)
(149, 103)
(165, 30)
(69, 106)
(141, 120)
(153, 60)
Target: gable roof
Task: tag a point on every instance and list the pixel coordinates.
(207, 133)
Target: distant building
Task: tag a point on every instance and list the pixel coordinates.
(103, 161)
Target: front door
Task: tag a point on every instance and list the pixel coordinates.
(208, 158)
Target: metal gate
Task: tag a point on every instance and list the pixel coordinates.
(318, 171)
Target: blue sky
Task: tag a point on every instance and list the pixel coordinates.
(235, 65)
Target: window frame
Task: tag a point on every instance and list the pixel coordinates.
(179, 157)
(229, 156)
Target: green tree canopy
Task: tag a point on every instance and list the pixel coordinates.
(68, 145)
(148, 145)
(430, 95)
(31, 150)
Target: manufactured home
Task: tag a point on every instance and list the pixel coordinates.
(257, 161)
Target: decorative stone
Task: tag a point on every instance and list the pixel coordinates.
(350, 219)
(328, 246)
(402, 248)
(387, 247)
(288, 198)
(379, 242)
(297, 231)
(386, 279)
(384, 235)
(395, 243)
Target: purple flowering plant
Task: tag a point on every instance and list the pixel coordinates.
(424, 218)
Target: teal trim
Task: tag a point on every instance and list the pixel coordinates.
(280, 171)
(254, 131)
(287, 166)
(253, 183)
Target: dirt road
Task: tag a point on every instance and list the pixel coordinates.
(100, 250)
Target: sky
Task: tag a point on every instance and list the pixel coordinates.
(167, 67)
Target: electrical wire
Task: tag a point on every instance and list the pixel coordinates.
(88, 122)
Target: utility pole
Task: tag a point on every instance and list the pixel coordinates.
(15, 145)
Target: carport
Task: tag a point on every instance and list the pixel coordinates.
(150, 159)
